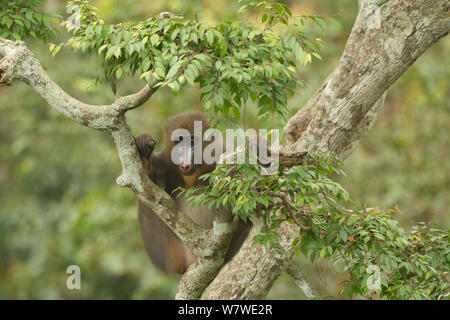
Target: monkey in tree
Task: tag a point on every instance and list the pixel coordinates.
(164, 248)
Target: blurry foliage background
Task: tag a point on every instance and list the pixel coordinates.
(59, 204)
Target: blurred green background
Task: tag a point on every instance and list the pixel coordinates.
(59, 204)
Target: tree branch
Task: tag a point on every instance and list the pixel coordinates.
(384, 42)
(135, 100)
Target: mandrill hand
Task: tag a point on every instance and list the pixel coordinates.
(145, 145)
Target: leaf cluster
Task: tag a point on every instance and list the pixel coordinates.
(412, 265)
(20, 19)
(233, 62)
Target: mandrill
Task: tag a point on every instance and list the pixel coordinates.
(164, 248)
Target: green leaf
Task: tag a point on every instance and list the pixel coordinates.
(315, 54)
(117, 52)
(154, 39)
(210, 37)
(343, 235)
(119, 73)
(335, 23)
(175, 86)
(7, 21)
(323, 252)
(174, 69)
(145, 64)
(56, 50)
(235, 112)
(101, 48)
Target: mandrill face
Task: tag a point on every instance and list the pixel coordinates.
(185, 146)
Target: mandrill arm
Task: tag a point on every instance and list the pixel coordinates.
(165, 250)
(145, 145)
(157, 166)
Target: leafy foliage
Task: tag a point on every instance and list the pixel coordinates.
(412, 265)
(232, 62)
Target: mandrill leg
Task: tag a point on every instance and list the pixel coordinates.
(164, 248)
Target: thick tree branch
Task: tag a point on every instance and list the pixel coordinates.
(18, 63)
(384, 42)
